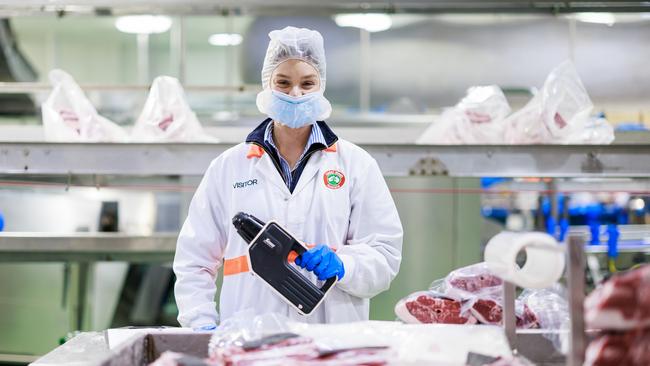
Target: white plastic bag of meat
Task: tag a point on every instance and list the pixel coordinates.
(68, 115)
(549, 306)
(167, 116)
(597, 131)
(441, 131)
(244, 326)
(482, 111)
(621, 303)
(551, 310)
(269, 339)
(558, 114)
(481, 292)
(489, 310)
(467, 282)
(477, 119)
(429, 307)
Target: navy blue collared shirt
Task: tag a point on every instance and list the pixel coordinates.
(315, 137)
(260, 134)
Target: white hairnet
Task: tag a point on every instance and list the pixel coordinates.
(294, 43)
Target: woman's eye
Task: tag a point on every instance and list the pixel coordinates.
(308, 84)
(282, 82)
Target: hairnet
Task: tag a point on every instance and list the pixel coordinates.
(294, 43)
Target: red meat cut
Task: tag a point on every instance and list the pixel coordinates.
(621, 303)
(423, 308)
(473, 278)
(631, 348)
(488, 311)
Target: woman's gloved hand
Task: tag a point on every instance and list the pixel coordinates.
(322, 261)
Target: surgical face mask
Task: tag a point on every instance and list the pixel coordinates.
(294, 112)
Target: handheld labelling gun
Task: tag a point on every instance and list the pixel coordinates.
(269, 248)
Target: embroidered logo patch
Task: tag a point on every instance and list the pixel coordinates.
(333, 179)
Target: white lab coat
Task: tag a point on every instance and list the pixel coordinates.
(359, 220)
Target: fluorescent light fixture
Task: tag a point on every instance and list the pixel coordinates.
(225, 39)
(369, 22)
(598, 18)
(143, 24)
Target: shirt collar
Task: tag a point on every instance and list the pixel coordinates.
(257, 136)
(315, 137)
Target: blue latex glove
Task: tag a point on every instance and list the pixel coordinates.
(322, 261)
(206, 328)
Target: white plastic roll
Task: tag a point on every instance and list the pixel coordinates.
(544, 258)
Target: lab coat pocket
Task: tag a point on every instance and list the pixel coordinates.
(335, 212)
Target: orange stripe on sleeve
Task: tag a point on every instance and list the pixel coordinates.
(235, 266)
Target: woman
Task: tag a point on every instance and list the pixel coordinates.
(292, 169)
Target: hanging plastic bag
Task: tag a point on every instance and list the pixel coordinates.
(565, 103)
(558, 114)
(167, 116)
(597, 131)
(476, 119)
(68, 115)
(552, 312)
(482, 113)
(441, 131)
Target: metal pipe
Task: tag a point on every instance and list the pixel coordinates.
(576, 287)
(183, 51)
(364, 70)
(30, 87)
(143, 58)
(572, 38)
(509, 317)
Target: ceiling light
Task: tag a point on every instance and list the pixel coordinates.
(225, 39)
(143, 24)
(598, 18)
(369, 22)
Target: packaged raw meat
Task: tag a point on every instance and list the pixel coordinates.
(551, 310)
(275, 349)
(623, 302)
(291, 349)
(467, 295)
(477, 119)
(468, 281)
(431, 307)
(558, 114)
(246, 339)
(483, 111)
(631, 348)
(69, 116)
(490, 311)
(167, 116)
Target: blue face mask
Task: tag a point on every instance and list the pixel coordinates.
(296, 112)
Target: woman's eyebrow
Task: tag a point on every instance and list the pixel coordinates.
(309, 76)
(282, 76)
